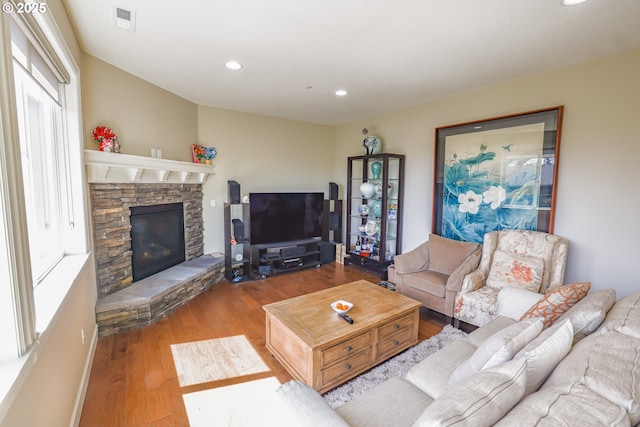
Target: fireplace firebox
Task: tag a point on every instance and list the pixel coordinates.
(157, 238)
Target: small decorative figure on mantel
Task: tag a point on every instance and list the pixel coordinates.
(372, 144)
(107, 139)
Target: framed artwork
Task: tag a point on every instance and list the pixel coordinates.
(496, 174)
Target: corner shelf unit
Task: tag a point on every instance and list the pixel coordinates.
(237, 258)
(376, 220)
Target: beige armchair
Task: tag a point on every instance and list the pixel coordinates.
(530, 260)
(432, 273)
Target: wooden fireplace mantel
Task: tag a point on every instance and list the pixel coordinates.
(118, 168)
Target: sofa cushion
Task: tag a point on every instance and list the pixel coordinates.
(557, 301)
(431, 282)
(432, 374)
(394, 402)
(512, 269)
(514, 302)
(608, 363)
(480, 335)
(545, 352)
(497, 349)
(447, 254)
(481, 400)
(308, 407)
(624, 317)
(589, 312)
(569, 404)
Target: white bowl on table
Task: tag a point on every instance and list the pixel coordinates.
(344, 303)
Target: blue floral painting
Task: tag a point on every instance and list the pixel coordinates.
(492, 181)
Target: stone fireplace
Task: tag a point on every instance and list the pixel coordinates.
(110, 211)
(119, 183)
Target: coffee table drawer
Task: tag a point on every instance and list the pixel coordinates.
(345, 349)
(392, 344)
(347, 367)
(395, 327)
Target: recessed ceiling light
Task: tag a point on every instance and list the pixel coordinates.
(341, 92)
(572, 2)
(233, 65)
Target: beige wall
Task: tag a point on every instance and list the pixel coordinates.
(142, 115)
(55, 384)
(596, 207)
(262, 154)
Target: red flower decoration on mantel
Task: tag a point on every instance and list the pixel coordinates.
(107, 139)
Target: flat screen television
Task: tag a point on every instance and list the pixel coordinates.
(285, 217)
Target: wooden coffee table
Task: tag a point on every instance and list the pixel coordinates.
(318, 347)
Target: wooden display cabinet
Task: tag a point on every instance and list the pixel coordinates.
(374, 219)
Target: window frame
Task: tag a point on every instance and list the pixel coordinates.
(15, 254)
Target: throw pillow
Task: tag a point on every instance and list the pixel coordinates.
(497, 349)
(514, 302)
(557, 301)
(589, 312)
(511, 269)
(480, 401)
(447, 254)
(545, 352)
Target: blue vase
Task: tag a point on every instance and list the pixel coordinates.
(376, 168)
(376, 208)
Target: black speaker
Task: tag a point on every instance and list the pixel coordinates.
(327, 252)
(234, 192)
(334, 221)
(238, 230)
(333, 191)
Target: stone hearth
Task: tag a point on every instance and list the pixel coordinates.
(152, 298)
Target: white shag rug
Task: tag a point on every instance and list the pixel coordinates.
(397, 366)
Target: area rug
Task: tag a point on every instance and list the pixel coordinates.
(394, 367)
(216, 359)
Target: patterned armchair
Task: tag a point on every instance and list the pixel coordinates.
(432, 273)
(530, 260)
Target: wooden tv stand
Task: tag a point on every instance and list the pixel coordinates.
(318, 347)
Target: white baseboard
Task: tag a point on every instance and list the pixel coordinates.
(86, 374)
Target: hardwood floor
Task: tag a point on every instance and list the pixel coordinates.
(133, 379)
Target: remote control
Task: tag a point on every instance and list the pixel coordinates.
(346, 318)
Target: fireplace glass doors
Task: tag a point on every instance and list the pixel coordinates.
(157, 238)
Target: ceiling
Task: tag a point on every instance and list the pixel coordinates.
(388, 55)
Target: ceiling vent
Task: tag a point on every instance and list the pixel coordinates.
(124, 19)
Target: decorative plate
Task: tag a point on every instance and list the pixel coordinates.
(371, 228)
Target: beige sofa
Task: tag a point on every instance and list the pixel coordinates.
(587, 368)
